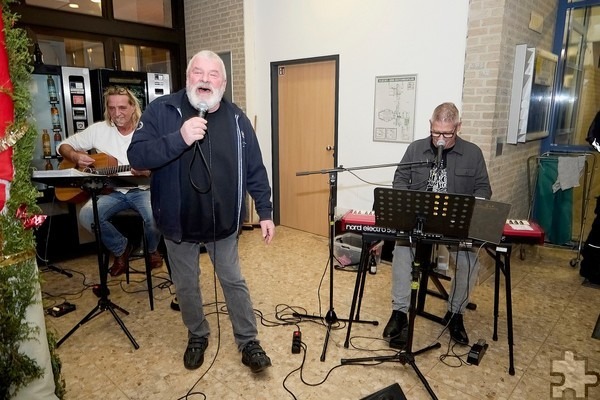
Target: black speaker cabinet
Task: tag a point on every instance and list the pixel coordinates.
(392, 392)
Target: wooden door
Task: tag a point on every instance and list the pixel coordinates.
(306, 111)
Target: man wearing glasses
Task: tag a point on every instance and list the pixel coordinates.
(459, 168)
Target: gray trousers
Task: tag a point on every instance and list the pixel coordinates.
(184, 258)
(467, 269)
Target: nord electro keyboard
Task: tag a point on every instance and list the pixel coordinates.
(363, 221)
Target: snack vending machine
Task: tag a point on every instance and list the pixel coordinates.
(61, 106)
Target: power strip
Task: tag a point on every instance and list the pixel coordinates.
(296, 342)
(61, 309)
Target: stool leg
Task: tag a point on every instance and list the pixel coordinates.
(148, 272)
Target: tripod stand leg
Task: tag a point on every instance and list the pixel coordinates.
(330, 318)
(123, 327)
(411, 362)
(124, 311)
(85, 319)
(59, 270)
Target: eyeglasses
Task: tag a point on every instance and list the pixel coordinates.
(446, 135)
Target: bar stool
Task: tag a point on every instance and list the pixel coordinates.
(130, 218)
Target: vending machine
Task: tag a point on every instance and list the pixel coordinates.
(61, 106)
(146, 86)
(61, 102)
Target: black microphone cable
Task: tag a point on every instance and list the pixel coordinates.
(202, 111)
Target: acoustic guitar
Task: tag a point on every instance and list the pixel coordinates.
(104, 164)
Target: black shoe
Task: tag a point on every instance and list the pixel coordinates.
(194, 354)
(175, 304)
(254, 356)
(456, 327)
(396, 323)
(399, 341)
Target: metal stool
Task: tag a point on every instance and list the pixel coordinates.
(131, 217)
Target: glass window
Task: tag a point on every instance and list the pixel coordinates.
(145, 58)
(152, 12)
(89, 7)
(71, 52)
(577, 102)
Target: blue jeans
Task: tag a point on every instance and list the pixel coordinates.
(184, 258)
(467, 269)
(112, 203)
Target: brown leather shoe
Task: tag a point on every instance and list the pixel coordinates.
(121, 263)
(156, 260)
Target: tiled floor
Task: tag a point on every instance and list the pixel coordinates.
(554, 314)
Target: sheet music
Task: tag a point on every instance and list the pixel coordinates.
(60, 173)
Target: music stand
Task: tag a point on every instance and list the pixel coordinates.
(94, 185)
(425, 216)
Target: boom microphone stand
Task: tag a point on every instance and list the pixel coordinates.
(331, 317)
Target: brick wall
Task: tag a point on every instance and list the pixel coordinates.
(219, 26)
(494, 28)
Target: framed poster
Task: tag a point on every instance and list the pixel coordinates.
(394, 116)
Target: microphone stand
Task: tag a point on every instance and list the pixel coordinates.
(331, 317)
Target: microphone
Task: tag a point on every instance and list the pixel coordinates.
(202, 109)
(440, 148)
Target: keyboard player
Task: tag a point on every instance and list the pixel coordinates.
(459, 168)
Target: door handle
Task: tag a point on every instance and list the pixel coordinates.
(329, 148)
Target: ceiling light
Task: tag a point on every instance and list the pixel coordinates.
(73, 5)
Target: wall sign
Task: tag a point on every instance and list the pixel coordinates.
(394, 117)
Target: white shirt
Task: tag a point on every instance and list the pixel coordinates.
(104, 138)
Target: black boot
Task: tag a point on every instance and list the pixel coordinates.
(395, 324)
(397, 330)
(456, 327)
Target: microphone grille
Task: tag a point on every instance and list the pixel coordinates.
(202, 108)
(440, 142)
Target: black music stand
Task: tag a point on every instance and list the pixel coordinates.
(94, 185)
(424, 216)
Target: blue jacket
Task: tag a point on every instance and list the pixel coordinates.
(157, 145)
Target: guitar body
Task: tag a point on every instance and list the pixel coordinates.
(104, 165)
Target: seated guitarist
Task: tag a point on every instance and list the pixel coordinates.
(112, 137)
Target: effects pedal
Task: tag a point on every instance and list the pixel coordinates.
(296, 342)
(61, 309)
(477, 351)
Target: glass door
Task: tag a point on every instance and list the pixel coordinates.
(577, 101)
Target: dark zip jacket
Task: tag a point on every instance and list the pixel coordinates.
(467, 173)
(157, 145)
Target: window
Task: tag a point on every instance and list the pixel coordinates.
(71, 52)
(152, 12)
(89, 7)
(578, 74)
(144, 58)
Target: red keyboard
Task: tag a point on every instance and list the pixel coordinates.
(518, 230)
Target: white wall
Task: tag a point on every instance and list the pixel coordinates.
(374, 38)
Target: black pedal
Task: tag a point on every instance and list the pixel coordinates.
(296, 342)
(477, 351)
(61, 309)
